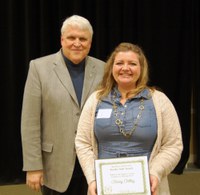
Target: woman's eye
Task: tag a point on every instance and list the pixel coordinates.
(119, 63)
(132, 64)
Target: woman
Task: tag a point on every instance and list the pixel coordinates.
(126, 117)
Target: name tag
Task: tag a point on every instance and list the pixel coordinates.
(104, 113)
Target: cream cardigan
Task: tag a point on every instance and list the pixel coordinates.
(166, 152)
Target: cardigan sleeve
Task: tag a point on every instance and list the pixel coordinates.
(84, 140)
(168, 146)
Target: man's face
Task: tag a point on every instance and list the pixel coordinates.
(76, 43)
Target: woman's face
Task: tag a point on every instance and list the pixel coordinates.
(126, 70)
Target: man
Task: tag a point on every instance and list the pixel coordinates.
(56, 89)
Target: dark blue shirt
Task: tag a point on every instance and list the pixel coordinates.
(76, 72)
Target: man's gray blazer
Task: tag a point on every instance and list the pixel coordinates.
(50, 115)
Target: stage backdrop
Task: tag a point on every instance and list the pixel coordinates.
(168, 32)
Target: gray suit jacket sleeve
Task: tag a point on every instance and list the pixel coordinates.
(30, 123)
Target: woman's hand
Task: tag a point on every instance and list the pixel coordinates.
(92, 188)
(154, 185)
(34, 179)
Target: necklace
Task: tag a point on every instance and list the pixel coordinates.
(119, 122)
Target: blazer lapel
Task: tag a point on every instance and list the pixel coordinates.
(90, 72)
(64, 76)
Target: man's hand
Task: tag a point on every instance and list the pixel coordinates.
(34, 179)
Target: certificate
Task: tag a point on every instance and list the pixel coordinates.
(123, 176)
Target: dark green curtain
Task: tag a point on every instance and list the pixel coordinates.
(166, 30)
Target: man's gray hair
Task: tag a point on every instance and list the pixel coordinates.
(78, 21)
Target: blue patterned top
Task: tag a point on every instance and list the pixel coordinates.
(111, 143)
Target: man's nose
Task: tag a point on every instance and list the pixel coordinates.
(77, 43)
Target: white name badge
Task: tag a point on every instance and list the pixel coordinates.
(104, 113)
(120, 176)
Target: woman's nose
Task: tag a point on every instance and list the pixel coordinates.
(125, 66)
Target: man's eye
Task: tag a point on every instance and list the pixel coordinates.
(83, 39)
(70, 38)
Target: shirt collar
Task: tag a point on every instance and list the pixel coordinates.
(145, 93)
(70, 63)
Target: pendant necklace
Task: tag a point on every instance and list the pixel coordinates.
(119, 122)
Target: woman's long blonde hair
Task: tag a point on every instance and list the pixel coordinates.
(109, 82)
